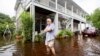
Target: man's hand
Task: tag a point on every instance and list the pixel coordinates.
(42, 33)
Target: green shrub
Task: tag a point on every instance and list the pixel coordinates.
(19, 32)
(27, 23)
(38, 38)
(65, 33)
(69, 33)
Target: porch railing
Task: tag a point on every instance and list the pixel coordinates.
(78, 17)
(46, 3)
(60, 8)
(68, 23)
(52, 5)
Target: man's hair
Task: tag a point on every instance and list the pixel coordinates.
(50, 19)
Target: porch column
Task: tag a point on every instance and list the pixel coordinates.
(66, 6)
(56, 4)
(72, 24)
(80, 13)
(85, 24)
(32, 10)
(72, 20)
(80, 27)
(56, 23)
(77, 12)
(56, 19)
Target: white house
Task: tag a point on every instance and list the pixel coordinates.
(66, 13)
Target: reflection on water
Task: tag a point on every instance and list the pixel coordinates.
(76, 46)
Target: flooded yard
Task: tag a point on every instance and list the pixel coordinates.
(76, 46)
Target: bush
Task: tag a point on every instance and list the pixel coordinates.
(65, 33)
(38, 38)
(19, 32)
(27, 22)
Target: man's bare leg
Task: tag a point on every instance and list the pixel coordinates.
(53, 51)
(48, 49)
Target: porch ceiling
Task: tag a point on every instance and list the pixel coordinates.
(43, 11)
(76, 21)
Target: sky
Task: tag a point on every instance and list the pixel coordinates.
(7, 6)
(88, 5)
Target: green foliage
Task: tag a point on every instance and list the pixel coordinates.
(65, 32)
(38, 38)
(5, 20)
(88, 18)
(19, 32)
(27, 22)
(95, 17)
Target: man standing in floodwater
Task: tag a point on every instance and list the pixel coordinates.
(50, 36)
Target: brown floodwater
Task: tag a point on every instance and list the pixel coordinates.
(76, 46)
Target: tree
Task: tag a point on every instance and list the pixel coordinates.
(95, 18)
(5, 20)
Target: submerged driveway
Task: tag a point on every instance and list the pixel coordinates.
(76, 46)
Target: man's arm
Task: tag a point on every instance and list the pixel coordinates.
(49, 29)
(45, 30)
